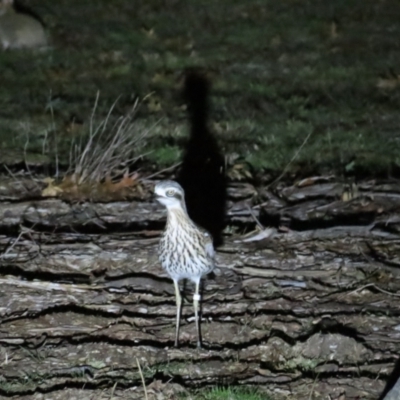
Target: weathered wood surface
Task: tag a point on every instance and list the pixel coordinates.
(303, 313)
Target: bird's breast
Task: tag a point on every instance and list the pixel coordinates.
(182, 252)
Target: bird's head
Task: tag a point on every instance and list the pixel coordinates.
(171, 194)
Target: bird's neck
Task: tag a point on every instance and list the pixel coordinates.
(176, 216)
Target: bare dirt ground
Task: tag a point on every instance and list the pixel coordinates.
(309, 310)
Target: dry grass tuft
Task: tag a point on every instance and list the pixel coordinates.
(99, 162)
(108, 149)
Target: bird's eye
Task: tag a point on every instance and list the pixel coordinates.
(170, 193)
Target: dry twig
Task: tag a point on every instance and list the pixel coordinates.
(142, 377)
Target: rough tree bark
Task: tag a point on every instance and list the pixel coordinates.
(301, 311)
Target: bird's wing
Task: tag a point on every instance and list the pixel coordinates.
(207, 239)
(208, 244)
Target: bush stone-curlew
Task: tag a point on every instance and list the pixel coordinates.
(186, 251)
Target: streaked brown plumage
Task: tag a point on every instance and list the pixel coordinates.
(186, 251)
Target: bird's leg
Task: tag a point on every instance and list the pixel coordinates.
(196, 299)
(178, 310)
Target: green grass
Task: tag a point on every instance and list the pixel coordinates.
(279, 77)
(232, 393)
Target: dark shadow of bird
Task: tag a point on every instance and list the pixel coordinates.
(202, 173)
